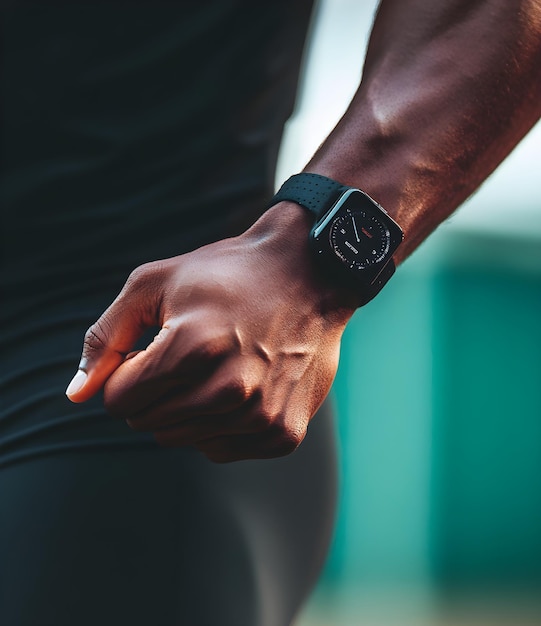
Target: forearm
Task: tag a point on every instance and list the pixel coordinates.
(448, 89)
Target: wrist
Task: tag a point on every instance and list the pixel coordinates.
(353, 238)
(281, 237)
(379, 163)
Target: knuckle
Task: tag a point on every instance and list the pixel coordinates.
(237, 391)
(262, 420)
(207, 348)
(287, 439)
(96, 337)
(140, 274)
(211, 349)
(144, 277)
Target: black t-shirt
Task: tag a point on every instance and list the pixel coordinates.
(130, 132)
(127, 124)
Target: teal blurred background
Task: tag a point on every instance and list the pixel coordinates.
(438, 395)
(439, 403)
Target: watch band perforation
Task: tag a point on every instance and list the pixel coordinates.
(312, 191)
(319, 195)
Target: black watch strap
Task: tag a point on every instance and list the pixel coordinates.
(318, 194)
(312, 191)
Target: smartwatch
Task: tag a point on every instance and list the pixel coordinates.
(353, 237)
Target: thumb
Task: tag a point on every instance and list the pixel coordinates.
(108, 341)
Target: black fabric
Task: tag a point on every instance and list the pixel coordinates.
(164, 537)
(119, 118)
(133, 131)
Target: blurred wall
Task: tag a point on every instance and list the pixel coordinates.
(439, 387)
(439, 402)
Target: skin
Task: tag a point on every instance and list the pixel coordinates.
(250, 332)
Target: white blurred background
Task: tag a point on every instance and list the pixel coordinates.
(508, 202)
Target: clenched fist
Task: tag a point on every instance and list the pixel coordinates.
(247, 349)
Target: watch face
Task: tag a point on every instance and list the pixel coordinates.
(358, 234)
(359, 239)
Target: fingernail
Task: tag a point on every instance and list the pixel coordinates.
(77, 383)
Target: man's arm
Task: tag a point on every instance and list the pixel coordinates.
(449, 88)
(250, 331)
